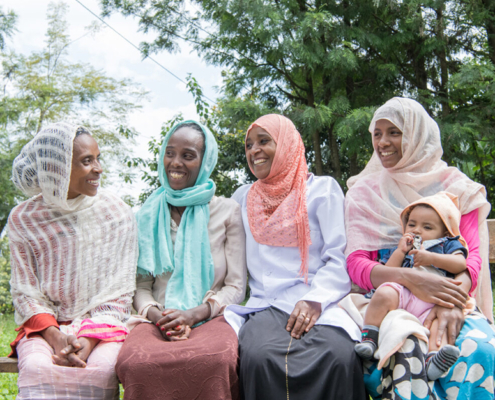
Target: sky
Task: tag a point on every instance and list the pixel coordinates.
(105, 50)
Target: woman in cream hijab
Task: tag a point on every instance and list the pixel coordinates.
(406, 165)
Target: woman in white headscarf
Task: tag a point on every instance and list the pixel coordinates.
(73, 255)
(406, 165)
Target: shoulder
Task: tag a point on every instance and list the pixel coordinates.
(22, 210)
(224, 207)
(113, 200)
(318, 186)
(452, 245)
(241, 193)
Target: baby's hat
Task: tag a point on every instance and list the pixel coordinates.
(446, 206)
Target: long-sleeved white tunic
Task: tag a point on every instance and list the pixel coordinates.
(274, 277)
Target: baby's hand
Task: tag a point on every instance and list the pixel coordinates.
(422, 257)
(406, 243)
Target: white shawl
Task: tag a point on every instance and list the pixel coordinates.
(73, 259)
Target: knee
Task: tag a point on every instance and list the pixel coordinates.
(386, 296)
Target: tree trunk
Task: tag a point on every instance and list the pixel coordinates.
(316, 133)
(334, 154)
(444, 70)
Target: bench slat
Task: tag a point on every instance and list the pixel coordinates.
(8, 364)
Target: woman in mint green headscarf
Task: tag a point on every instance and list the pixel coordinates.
(191, 266)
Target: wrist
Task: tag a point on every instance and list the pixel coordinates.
(154, 314)
(200, 313)
(50, 333)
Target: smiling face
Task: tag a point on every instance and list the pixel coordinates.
(86, 167)
(260, 151)
(425, 222)
(183, 157)
(387, 142)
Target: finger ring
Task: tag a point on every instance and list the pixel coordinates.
(307, 320)
(304, 315)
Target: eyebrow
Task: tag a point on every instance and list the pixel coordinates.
(186, 149)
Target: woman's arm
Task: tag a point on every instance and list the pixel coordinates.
(233, 290)
(469, 231)
(27, 296)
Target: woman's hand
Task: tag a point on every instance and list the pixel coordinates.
(303, 317)
(433, 288)
(449, 319)
(69, 351)
(76, 353)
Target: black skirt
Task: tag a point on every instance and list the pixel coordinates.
(320, 365)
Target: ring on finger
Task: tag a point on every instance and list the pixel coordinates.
(307, 320)
(303, 314)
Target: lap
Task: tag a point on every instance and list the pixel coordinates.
(470, 377)
(203, 366)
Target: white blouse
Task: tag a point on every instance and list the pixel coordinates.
(274, 271)
(228, 249)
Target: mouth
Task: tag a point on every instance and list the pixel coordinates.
(387, 153)
(260, 161)
(176, 175)
(94, 183)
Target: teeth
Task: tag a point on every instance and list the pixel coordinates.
(259, 161)
(93, 182)
(175, 175)
(388, 153)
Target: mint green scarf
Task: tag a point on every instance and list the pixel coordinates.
(190, 262)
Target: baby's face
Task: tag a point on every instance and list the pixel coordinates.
(425, 222)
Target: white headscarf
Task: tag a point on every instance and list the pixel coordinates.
(377, 196)
(74, 258)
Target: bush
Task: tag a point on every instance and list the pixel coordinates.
(5, 297)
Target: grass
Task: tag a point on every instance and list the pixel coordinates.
(8, 382)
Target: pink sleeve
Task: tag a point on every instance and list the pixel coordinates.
(359, 265)
(469, 231)
(105, 332)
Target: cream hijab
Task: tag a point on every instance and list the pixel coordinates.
(377, 196)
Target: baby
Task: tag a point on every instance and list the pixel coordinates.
(435, 221)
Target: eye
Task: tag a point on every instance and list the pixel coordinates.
(396, 133)
(264, 141)
(248, 146)
(428, 228)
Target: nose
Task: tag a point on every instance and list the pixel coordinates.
(384, 141)
(97, 167)
(176, 161)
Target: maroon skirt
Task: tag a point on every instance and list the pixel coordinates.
(203, 367)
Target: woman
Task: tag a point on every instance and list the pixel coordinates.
(406, 165)
(294, 341)
(73, 256)
(191, 266)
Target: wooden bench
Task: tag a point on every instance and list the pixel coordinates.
(10, 364)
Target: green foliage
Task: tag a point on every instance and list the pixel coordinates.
(8, 382)
(328, 65)
(7, 25)
(5, 297)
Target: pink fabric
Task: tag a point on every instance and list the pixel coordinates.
(39, 378)
(407, 301)
(359, 265)
(361, 262)
(276, 205)
(105, 332)
(469, 231)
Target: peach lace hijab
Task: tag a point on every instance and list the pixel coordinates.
(377, 195)
(276, 205)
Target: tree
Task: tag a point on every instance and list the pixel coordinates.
(45, 87)
(7, 25)
(328, 64)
